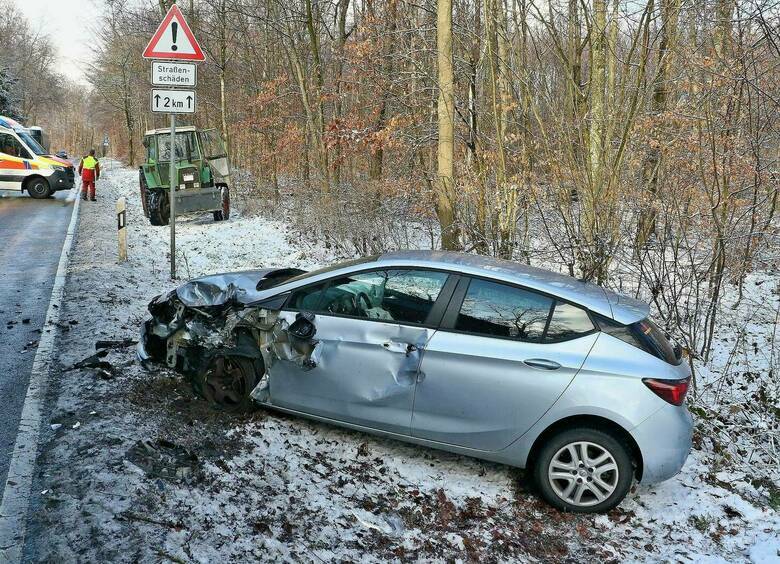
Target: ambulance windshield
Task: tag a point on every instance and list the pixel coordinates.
(31, 143)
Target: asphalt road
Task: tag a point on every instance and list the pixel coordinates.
(31, 237)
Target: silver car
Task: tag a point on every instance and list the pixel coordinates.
(468, 354)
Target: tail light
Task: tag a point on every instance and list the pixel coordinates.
(672, 391)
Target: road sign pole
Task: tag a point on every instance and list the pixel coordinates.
(174, 42)
(173, 180)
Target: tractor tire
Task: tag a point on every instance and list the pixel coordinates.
(159, 207)
(224, 213)
(144, 192)
(38, 188)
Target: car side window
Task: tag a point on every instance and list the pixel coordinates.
(568, 322)
(10, 146)
(495, 309)
(392, 295)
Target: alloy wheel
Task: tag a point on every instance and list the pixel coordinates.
(583, 473)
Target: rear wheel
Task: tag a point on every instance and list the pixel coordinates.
(38, 188)
(226, 382)
(159, 207)
(224, 213)
(144, 192)
(584, 471)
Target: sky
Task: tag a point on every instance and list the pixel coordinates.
(69, 24)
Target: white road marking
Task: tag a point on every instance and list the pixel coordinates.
(16, 496)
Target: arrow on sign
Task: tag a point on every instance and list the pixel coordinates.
(174, 39)
(156, 99)
(189, 101)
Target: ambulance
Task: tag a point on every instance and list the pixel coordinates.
(26, 166)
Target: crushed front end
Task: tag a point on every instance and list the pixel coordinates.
(207, 331)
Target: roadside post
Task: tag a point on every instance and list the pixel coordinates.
(121, 227)
(173, 42)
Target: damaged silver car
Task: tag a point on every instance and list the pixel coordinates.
(468, 354)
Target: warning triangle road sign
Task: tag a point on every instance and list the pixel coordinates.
(174, 40)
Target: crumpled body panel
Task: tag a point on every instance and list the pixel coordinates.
(359, 371)
(352, 370)
(218, 289)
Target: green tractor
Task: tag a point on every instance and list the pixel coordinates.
(202, 170)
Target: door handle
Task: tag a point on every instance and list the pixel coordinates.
(542, 363)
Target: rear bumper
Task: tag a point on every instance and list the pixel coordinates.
(664, 440)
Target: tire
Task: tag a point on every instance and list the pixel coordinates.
(38, 188)
(600, 490)
(224, 213)
(159, 207)
(144, 192)
(226, 381)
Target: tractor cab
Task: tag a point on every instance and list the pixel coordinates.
(202, 174)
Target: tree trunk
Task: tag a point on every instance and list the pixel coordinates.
(319, 116)
(670, 12)
(593, 259)
(445, 205)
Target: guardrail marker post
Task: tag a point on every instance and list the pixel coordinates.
(121, 227)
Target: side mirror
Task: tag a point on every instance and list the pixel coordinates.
(303, 327)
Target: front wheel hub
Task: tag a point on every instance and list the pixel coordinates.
(227, 381)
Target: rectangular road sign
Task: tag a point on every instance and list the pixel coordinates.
(165, 73)
(173, 101)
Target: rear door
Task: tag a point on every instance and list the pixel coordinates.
(501, 358)
(371, 331)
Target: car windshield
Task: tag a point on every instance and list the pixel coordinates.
(31, 143)
(325, 270)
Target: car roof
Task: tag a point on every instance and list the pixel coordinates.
(10, 123)
(623, 309)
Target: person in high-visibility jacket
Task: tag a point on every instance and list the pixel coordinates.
(89, 169)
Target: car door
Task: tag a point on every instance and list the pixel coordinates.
(501, 358)
(14, 162)
(371, 331)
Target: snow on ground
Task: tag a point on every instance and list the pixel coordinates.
(136, 468)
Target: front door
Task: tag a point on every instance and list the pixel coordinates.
(501, 359)
(371, 331)
(14, 162)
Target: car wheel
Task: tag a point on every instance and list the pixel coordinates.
(144, 192)
(226, 382)
(584, 471)
(38, 188)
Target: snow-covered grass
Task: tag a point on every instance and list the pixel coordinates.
(141, 469)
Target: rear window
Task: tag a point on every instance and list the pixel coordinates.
(644, 335)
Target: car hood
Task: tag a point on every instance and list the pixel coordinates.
(219, 289)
